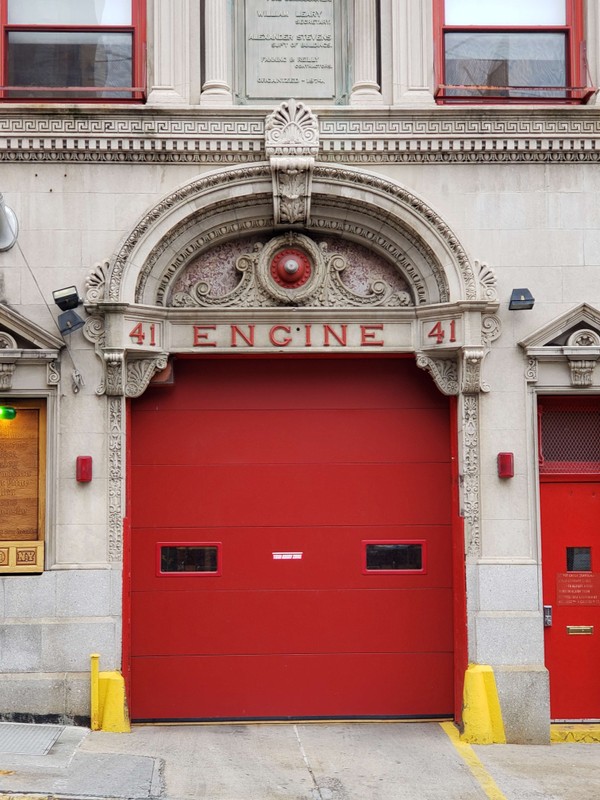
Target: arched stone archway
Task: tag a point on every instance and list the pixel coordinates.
(354, 204)
(448, 323)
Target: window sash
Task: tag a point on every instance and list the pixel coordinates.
(513, 13)
(72, 50)
(504, 64)
(69, 12)
(70, 58)
(504, 79)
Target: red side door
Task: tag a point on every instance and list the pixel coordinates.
(570, 518)
(291, 542)
(571, 559)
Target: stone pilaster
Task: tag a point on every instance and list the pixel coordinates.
(216, 90)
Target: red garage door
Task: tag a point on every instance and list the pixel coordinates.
(291, 542)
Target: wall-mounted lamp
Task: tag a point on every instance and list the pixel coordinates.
(68, 299)
(9, 226)
(521, 300)
(8, 412)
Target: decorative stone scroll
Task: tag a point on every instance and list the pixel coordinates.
(7, 342)
(444, 372)
(262, 283)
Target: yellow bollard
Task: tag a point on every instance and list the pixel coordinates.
(95, 692)
(108, 710)
(482, 716)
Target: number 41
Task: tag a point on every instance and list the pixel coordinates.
(438, 332)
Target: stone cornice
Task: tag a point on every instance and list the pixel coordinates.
(237, 135)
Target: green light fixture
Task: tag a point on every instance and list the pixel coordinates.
(8, 412)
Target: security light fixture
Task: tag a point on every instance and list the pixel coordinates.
(67, 299)
(9, 226)
(521, 300)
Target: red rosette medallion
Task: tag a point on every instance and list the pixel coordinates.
(291, 268)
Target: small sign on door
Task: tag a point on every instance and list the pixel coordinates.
(287, 556)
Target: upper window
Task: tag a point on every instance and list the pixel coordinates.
(73, 50)
(510, 51)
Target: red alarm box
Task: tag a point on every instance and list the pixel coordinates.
(83, 469)
(506, 465)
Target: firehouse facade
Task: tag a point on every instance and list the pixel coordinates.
(316, 423)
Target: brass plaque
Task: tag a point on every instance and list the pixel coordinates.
(19, 476)
(22, 557)
(22, 488)
(580, 630)
(578, 589)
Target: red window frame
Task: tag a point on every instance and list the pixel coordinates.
(192, 573)
(80, 94)
(422, 544)
(577, 90)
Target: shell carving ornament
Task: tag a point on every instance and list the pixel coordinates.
(291, 270)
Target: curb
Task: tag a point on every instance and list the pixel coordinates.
(584, 733)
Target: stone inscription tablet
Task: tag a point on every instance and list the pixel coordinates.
(19, 477)
(290, 49)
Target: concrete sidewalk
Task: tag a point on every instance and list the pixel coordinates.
(371, 761)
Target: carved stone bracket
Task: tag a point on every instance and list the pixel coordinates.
(582, 371)
(444, 372)
(582, 352)
(7, 370)
(113, 374)
(140, 372)
(129, 376)
(472, 361)
(291, 144)
(292, 183)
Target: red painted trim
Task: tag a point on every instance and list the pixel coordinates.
(138, 30)
(192, 574)
(458, 578)
(126, 577)
(421, 571)
(570, 477)
(577, 89)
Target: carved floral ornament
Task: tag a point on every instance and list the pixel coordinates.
(291, 270)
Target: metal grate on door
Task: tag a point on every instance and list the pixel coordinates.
(569, 436)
